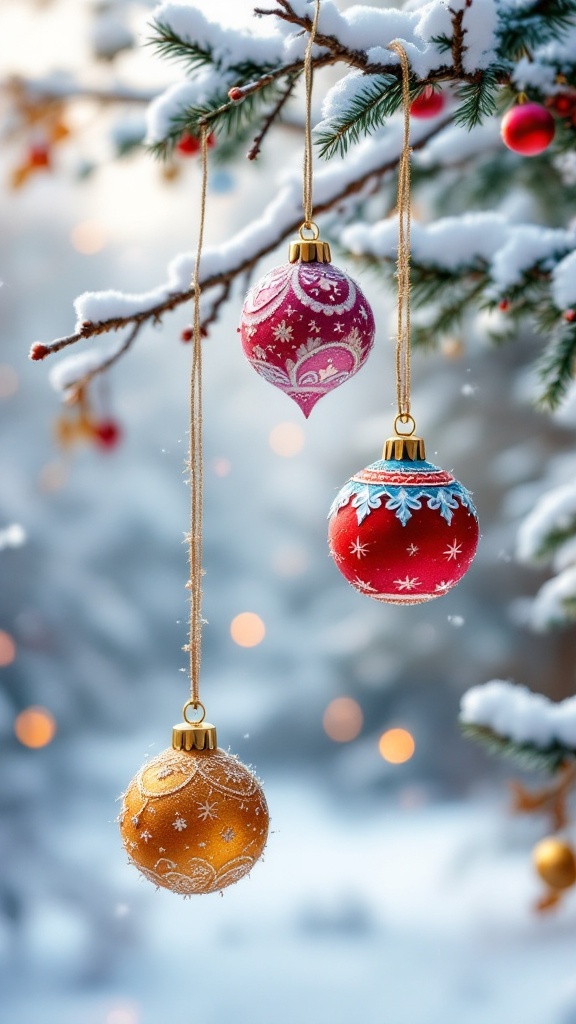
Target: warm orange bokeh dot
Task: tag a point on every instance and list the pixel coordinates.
(396, 746)
(343, 719)
(287, 439)
(35, 727)
(247, 629)
(7, 649)
(88, 237)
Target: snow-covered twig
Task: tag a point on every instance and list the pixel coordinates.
(101, 312)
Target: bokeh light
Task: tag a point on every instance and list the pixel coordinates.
(287, 439)
(8, 381)
(123, 1015)
(88, 237)
(343, 719)
(53, 476)
(221, 466)
(35, 727)
(396, 746)
(247, 629)
(7, 649)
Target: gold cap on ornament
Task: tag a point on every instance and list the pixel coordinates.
(199, 735)
(309, 250)
(404, 447)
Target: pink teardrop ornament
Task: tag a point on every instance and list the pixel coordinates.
(306, 327)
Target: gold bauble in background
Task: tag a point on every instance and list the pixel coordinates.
(555, 862)
(194, 821)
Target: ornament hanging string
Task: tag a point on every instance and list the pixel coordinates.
(196, 455)
(403, 263)
(307, 177)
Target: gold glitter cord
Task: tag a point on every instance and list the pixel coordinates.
(403, 263)
(196, 458)
(308, 80)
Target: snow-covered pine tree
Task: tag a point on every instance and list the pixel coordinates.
(483, 263)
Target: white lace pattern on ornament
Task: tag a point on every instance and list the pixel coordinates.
(403, 500)
(296, 378)
(200, 877)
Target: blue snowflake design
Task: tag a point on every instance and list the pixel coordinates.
(403, 500)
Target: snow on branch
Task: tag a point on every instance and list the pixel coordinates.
(512, 720)
(100, 312)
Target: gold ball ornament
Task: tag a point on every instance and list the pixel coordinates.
(555, 862)
(194, 819)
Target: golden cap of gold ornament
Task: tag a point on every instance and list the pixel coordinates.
(309, 250)
(404, 447)
(199, 735)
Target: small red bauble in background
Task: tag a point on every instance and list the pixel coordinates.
(306, 326)
(107, 434)
(39, 156)
(189, 145)
(528, 129)
(403, 531)
(235, 93)
(569, 315)
(427, 104)
(187, 334)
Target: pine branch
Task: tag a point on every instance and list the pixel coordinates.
(171, 47)
(557, 366)
(379, 98)
(535, 25)
(478, 99)
(527, 755)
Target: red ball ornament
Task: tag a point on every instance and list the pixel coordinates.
(528, 128)
(427, 104)
(403, 531)
(306, 326)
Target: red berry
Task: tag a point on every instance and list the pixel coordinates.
(107, 434)
(188, 145)
(570, 315)
(528, 129)
(235, 93)
(504, 305)
(187, 334)
(39, 156)
(427, 104)
(38, 351)
(211, 140)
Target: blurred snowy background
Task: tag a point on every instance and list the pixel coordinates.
(390, 893)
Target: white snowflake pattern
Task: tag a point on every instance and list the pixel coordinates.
(412, 549)
(408, 583)
(358, 549)
(443, 585)
(164, 773)
(338, 328)
(362, 585)
(363, 313)
(453, 550)
(228, 835)
(145, 835)
(201, 845)
(283, 331)
(135, 820)
(259, 352)
(313, 326)
(207, 810)
(161, 849)
(290, 311)
(179, 823)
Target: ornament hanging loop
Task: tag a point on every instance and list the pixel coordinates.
(405, 420)
(198, 706)
(313, 228)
